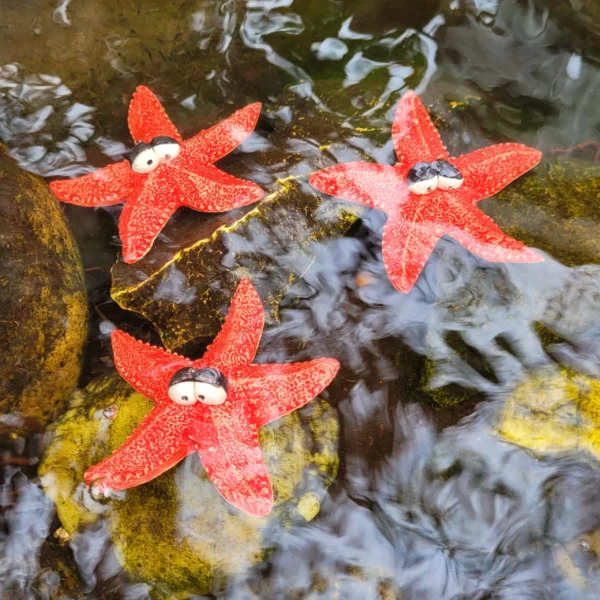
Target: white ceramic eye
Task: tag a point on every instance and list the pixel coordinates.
(450, 183)
(167, 151)
(449, 176)
(425, 186)
(183, 393)
(422, 179)
(145, 161)
(209, 394)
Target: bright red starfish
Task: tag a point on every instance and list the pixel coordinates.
(188, 179)
(224, 435)
(415, 222)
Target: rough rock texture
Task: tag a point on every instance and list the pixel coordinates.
(42, 293)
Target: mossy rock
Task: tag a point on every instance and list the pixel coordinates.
(555, 410)
(556, 209)
(176, 531)
(42, 292)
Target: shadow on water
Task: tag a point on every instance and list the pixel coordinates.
(467, 408)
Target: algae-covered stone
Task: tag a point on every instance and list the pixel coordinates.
(42, 293)
(176, 531)
(556, 209)
(555, 410)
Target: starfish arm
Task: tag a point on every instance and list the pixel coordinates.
(155, 446)
(238, 340)
(371, 184)
(104, 187)
(491, 169)
(146, 368)
(476, 232)
(232, 458)
(208, 189)
(147, 118)
(214, 143)
(406, 247)
(415, 137)
(141, 221)
(272, 390)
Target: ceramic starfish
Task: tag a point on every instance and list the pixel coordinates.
(165, 180)
(446, 191)
(224, 434)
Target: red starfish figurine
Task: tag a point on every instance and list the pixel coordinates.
(164, 172)
(214, 406)
(427, 194)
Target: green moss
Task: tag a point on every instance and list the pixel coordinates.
(42, 292)
(446, 396)
(176, 531)
(555, 208)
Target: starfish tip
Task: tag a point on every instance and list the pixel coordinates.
(259, 507)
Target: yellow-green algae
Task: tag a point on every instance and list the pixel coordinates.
(555, 410)
(555, 208)
(42, 293)
(176, 531)
(282, 228)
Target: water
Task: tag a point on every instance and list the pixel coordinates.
(430, 500)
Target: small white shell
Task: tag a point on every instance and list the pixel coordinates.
(209, 394)
(450, 183)
(426, 186)
(146, 161)
(167, 151)
(183, 393)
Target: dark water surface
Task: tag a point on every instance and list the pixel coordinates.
(469, 407)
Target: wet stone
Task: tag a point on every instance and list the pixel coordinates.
(197, 540)
(554, 411)
(42, 293)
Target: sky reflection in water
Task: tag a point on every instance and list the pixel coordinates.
(429, 501)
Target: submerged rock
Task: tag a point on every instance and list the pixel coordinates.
(176, 531)
(42, 293)
(554, 411)
(556, 209)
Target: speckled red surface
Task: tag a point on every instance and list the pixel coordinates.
(416, 223)
(188, 180)
(225, 436)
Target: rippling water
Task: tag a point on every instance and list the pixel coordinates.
(442, 491)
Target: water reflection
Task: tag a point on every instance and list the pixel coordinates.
(430, 502)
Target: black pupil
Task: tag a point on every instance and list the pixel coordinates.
(184, 398)
(149, 162)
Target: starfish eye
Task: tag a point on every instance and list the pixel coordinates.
(181, 387)
(422, 179)
(209, 394)
(449, 176)
(183, 393)
(143, 158)
(165, 147)
(210, 386)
